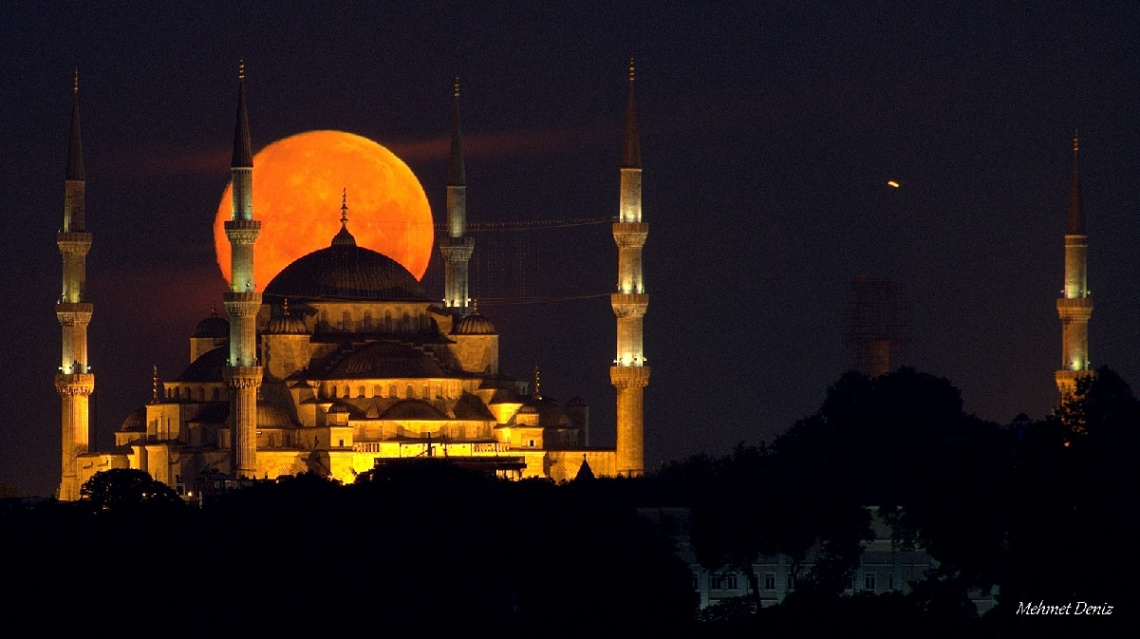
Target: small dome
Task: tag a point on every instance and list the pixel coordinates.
(551, 415)
(474, 324)
(287, 325)
(135, 422)
(383, 360)
(213, 326)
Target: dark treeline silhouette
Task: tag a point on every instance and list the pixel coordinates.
(1035, 512)
(1039, 512)
(423, 548)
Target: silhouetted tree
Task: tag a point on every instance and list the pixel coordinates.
(126, 488)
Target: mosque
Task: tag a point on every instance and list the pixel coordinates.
(344, 362)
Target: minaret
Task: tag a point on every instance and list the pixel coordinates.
(1075, 306)
(242, 373)
(629, 374)
(74, 382)
(456, 248)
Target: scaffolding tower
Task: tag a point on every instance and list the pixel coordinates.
(876, 325)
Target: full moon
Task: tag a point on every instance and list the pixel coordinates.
(297, 187)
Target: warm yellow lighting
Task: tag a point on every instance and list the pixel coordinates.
(893, 184)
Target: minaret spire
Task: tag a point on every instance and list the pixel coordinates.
(74, 381)
(242, 372)
(456, 171)
(629, 373)
(631, 151)
(1075, 306)
(75, 143)
(457, 247)
(1075, 221)
(243, 155)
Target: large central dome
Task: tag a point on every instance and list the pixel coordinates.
(346, 272)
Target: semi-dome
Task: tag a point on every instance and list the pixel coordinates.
(273, 416)
(213, 326)
(346, 272)
(135, 422)
(474, 324)
(413, 409)
(386, 360)
(207, 368)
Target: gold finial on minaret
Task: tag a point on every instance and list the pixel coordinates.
(344, 207)
(474, 307)
(537, 393)
(285, 307)
(241, 68)
(76, 89)
(457, 86)
(154, 386)
(631, 68)
(1076, 140)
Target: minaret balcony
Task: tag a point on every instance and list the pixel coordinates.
(629, 376)
(629, 304)
(243, 231)
(80, 308)
(1074, 308)
(456, 249)
(73, 237)
(75, 383)
(630, 234)
(242, 376)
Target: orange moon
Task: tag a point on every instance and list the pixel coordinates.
(297, 187)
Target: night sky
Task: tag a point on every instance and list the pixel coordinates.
(769, 131)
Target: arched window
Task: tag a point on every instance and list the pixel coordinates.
(360, 391)
(409, 392)
(392, 391)
(346, 321)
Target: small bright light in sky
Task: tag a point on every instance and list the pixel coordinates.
(893, 184)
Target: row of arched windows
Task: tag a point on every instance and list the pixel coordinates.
(405, 323)
(433, 390)
(194, 394)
